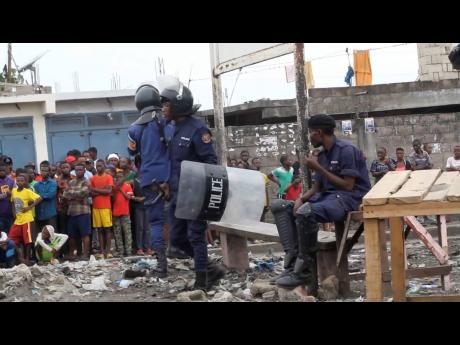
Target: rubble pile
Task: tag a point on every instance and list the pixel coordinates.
(130, 279)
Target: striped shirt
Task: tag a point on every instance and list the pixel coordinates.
(378, 166)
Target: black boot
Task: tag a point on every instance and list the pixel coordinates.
(176, 253)
(283, 213)
(161, 271)
(200, 281)
(305, 270)
(214, 274)
(289, 261)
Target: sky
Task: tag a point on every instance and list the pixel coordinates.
(134, 63)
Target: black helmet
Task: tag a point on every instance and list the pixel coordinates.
(147, 98)
(179, 96)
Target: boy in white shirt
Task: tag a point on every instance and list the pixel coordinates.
(48, 244)
(7, 250)
(453, 163)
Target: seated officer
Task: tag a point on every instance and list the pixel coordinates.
(341, 181)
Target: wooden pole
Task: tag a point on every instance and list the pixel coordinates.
(10, 54)
(302, 109)
(219, 121)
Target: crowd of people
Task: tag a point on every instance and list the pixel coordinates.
(70, 209)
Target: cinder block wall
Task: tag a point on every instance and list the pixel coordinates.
(270, 141)
(434, 63)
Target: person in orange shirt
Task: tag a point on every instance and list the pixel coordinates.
(121, 221)
(101, 190)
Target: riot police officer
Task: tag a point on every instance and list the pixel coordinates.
(148, 137)
(191, 141)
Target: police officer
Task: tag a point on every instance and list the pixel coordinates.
(341, 181)
(192, 142)
(148, 137)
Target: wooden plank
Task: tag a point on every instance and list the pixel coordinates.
(411, 273)
(387, 185)
(259, 231)
(442, 239)
(438, 191)
(420, 209)
(398, 269)
(374, 284)
(427, 239)
(453, 194)
(416, 188)
(434, 298)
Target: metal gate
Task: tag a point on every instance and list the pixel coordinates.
(17, 140)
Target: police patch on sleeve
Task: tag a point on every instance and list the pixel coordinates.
(206, 138)
(132, 145)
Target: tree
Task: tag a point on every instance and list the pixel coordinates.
(16, 78)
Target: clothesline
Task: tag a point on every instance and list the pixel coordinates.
(280, 65)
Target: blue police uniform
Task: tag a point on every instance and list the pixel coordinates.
(155, 169)
(191, 142)
(332, 204)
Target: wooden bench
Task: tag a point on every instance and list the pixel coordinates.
(233, 238)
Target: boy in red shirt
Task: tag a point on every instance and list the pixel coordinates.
(101, 190)
(121, 220)
(294, 189)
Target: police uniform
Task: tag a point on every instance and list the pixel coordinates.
(192, 142)
(298, 234)
(155, 169)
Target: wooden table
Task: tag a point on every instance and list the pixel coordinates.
(416, 204)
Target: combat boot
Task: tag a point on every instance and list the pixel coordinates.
(161, 271)
(200, 281)
(214, 273)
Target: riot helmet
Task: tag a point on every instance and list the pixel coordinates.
(147, 98)
(179, 96)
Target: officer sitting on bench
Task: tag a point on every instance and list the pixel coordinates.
(341, 181)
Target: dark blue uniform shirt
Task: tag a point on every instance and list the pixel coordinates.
(344, 159)
(191, 142)
(154, 154)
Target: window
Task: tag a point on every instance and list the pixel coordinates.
(67, 122)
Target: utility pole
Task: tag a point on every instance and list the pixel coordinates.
(219, 122)
(302, 109)
(10, 54)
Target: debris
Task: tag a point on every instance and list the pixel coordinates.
(329, 289)
(145, 264)
(189, 296)
(259, 287)
(97, 284)
(269, 295)
(223, 296)
(124, 283)
(66, 270)
(2, 295)
(36, 270)
(179, 284)
(264, 265)
(131, 274)
(181, 266)
(299, 294)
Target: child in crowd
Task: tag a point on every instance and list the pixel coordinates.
(48, 244)
(401, 163)
(453, 163)
(24, 200)
(294, 189)
(121, 221)
(282, 175)
(7, 251)
(101, 190)
(381, 165)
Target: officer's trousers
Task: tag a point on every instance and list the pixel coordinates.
(155, 215)
(189, 236)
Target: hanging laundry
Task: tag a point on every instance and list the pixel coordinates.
(362, 64)
(349, 76)
(290, 73)
(309, 75)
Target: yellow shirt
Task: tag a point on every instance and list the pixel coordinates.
(20, 200)
(267, 180)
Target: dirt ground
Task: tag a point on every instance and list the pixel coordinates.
(102, 281)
